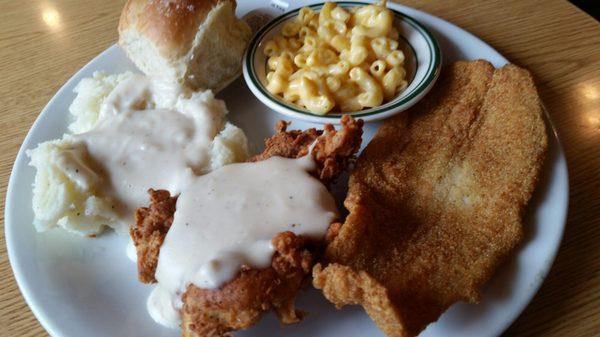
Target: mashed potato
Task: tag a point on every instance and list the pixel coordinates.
(163, 133)
(91, 92)
(60, 200)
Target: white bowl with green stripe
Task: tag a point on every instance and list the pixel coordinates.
(423, 63)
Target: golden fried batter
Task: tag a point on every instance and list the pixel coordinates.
(241, 302)
(152, 225)
(332, 151)
(437, 199)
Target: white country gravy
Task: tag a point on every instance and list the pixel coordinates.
(227, 218)
(139, 149)
(151, 135)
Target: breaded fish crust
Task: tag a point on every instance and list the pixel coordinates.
(241, 302)
(437, 199)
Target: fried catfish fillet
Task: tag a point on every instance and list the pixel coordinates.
(437, 199)
(241, 302)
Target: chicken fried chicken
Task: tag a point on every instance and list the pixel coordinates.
(437, 199)
(241, 302)
(333, 150)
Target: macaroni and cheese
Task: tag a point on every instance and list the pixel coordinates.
(346, 60)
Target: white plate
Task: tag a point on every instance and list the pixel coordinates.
(87, 287)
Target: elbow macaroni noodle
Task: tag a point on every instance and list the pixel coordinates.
(340, 59)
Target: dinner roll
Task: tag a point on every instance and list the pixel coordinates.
(199, 43)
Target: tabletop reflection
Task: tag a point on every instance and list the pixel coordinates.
(51, 17)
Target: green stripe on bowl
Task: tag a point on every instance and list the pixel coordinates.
(430, 75)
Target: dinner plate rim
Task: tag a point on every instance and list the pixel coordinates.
(8, 216)
(41, 315)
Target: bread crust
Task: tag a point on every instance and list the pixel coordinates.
(170, 24)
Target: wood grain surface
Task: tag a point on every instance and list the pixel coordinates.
(43, 43)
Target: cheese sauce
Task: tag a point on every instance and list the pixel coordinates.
(227, 218)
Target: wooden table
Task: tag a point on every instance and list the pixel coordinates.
(43, 43)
